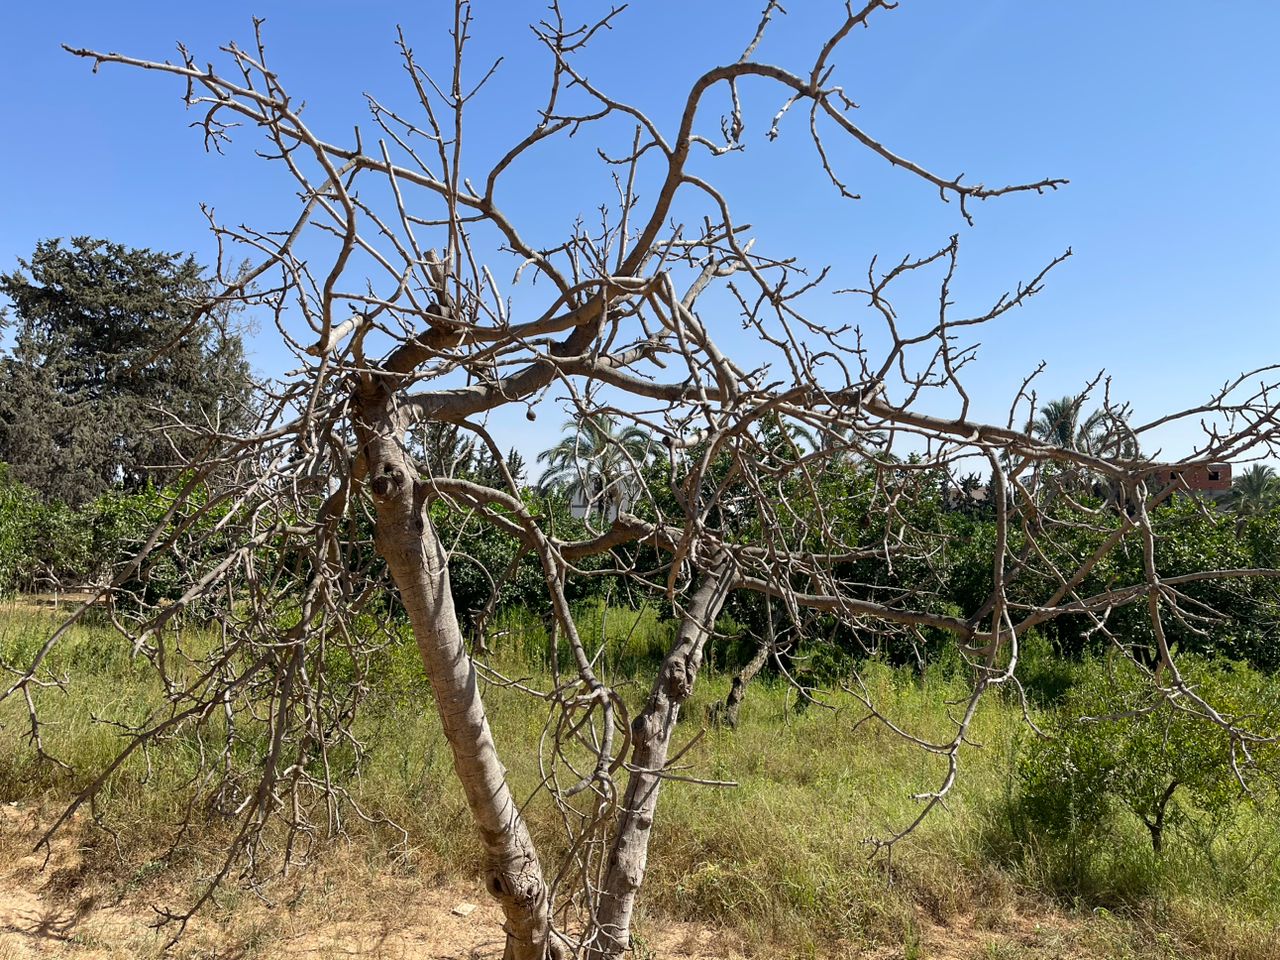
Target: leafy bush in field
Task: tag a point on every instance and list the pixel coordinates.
(119, 523)
(1191, 535)
(46, 543)
(1046, 674)
(1118, 748)
(18, 511)
(40, 543)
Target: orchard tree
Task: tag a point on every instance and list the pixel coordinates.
(1118, 747)
(398, 315)
(110, 348)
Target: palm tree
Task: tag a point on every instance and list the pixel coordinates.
(1103, 433)
(1059, 422)
(1255, 491)
(849, 442)
(596, 462)
(785, 440)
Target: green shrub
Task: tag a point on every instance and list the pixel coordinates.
(1119, 746)
(19, 509)
(1046, 674)
(50, 544)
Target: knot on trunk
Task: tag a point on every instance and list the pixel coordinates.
(679, 680)
(388, 481)
(526, 889)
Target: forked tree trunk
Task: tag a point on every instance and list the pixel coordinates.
(651, 738)
(419, 565)
(1156, 826)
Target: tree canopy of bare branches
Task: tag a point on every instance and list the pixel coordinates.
(322, 511)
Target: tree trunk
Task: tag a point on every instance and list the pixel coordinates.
(741, 680)
(1156, 827)
(728, 712)
(651, 738)
(738, 687)
(419, 565)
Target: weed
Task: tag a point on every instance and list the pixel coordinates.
(797, 882)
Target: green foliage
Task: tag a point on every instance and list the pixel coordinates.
(597, 461)
(48, 544)
(1234, 617)
(19, 510)
(1047, 676)
(42, 544)
(1120, 748)
(1254, 491)
(483, 559)
(1243, 624)
(110, 350)
(1102, 432)
(120, 523)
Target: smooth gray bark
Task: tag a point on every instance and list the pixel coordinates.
(651, 739)
(419, 565)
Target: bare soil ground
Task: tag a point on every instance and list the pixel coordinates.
(56, 907)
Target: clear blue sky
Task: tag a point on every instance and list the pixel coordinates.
(1164, 117)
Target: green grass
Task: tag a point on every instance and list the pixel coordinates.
(778, 862)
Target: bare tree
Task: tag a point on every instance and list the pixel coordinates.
(406, 323)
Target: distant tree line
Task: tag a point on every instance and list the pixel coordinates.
(108, 348)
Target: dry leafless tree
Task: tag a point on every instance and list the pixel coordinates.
(402, 320)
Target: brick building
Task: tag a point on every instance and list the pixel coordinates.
(1212, 479)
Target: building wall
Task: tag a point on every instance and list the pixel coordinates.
(1202, 478)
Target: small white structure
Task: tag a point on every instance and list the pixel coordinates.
(593, 498)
